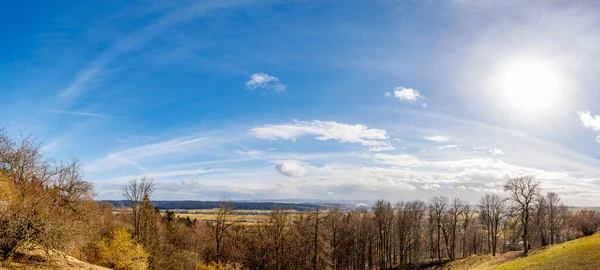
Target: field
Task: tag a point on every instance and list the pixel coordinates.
(244, 217)
(583, 253)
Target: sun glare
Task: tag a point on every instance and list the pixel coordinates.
(529, 84)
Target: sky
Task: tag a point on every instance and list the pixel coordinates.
(319, 100)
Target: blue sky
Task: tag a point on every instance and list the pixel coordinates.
(341, 100)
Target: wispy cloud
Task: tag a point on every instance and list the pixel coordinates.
(449, 147)
(158, 175)
(83, 114)
(137, 40)
(135, 156)
(265, 81)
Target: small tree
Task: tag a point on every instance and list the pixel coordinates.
(587, 222)
(122, 252)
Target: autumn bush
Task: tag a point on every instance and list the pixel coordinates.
(121, 252)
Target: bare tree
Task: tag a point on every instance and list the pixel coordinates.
(45, 203)
(587, 222)
(466, 217)
(437, 206)
(556, 212)
(135, 192)
(452, 218)
(221, 224)
(522, 192)
(491, 212)
(541, 219)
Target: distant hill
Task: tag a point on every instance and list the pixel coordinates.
(582, 253)
(238, 205)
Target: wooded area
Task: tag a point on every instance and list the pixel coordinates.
(46, 204)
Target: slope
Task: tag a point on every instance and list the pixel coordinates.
(582, 253)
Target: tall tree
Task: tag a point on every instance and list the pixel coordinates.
(437, 207)
(135, 192)
(221, 224)
(522, 192)
(556, 213)
(491, 212)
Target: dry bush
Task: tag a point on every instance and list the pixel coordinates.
(45, 202)
(587, 222)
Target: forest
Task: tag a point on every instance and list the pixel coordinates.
(46, 204)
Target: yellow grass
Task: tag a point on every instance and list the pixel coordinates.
(583, 253)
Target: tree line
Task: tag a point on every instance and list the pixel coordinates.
(45, 204)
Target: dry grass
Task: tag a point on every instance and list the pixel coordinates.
(38, 259)
(243, 217)
(480, 261)
(583, 253)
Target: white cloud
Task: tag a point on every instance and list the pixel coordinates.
(591, 122)
(291, 168)
(265, 81)
(375, 139)
(493, 151)
(496, 151)
(403, 93)
(439, 139)
(449, 147)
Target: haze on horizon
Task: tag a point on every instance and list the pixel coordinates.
(357, 100)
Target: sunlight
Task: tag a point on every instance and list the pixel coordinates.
(529, 84)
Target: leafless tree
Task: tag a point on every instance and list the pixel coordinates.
(587, 222)
(556, 212)
(437, 206)
(491, 212)
(221, 224)
(135, 192)
(522, 192)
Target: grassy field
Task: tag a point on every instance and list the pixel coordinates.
(583, 253)
(245, 217)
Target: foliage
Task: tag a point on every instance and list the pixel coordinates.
(122, 252)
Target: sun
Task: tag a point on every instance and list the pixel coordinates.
(529, 84)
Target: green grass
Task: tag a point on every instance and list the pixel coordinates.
(583, 253)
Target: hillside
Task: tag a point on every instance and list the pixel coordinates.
(39, 260)
(582, 253)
